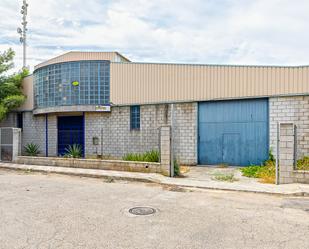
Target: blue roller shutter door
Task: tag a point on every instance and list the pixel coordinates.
(233, 132)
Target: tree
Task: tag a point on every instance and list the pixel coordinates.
(11, 95)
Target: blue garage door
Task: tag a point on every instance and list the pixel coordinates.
(233, 132)
(70, 131)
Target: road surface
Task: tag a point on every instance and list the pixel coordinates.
(53, 211)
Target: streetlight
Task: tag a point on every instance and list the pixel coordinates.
(22, 31)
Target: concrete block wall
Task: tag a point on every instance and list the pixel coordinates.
(165, 149)
(52, 135)
(118, 139)
(185, 133)
(287, 171)
(114, 128)
(286, 153)
(34, 130)
(290, 109)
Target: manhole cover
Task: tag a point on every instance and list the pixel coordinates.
(142, 210)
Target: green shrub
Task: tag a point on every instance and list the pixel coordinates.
(132, 157)
(74, 151)
(271, 157)
(266, 172)
(148, 156)
(32, 149)
(152, 156)
(251, 171)
(303, 164)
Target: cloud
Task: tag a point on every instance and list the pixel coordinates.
(184, 31)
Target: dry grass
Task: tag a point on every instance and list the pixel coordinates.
(303, 164)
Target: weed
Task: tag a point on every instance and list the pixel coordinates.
(303, 164)
(266, 172)
(148, 156)
(28, 171)
(222, 165)
(176, 168)
(109, 179)
(251, 171)
(225, 177)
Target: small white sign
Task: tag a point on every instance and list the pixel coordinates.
(102, 108)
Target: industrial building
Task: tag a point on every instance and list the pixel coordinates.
(112, 106)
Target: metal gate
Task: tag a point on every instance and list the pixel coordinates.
(233, 132)
(10, 143)
(70, 131)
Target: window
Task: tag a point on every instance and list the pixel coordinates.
(20, 120)
(54, 82)
(135, 117)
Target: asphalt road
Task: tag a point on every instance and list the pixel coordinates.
(52, 211)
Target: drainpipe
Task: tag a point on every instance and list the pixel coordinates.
(172, 141)
(277, 153)
(102, 143)
(46, 135)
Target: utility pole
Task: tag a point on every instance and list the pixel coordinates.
(23, 31)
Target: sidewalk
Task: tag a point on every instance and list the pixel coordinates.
(192, 180)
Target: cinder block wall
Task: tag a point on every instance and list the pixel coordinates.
(290, 109)
(33, 130)
(185, 133)
(52, 135)
(114, 127)
(118, 139)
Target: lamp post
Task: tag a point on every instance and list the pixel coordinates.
(23, 31)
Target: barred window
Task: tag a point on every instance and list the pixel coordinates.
(135, 117)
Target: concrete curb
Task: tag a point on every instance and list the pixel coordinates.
(136, 177)
(83, 174)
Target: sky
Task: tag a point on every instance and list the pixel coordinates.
(250, 32)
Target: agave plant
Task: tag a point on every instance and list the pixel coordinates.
(32, 149)
(73, 151)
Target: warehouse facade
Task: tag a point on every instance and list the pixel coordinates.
(111, 107)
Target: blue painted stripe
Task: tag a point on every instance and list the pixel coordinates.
(99, 84)
(46, 135)
(84, 134)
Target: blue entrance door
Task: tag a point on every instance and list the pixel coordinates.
(70, 131)
(233, 132)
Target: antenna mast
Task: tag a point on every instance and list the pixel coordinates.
(23, 31)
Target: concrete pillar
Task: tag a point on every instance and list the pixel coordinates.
(16, 143)
(286, 152)
(165, 150)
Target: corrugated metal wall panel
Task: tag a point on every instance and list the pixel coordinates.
(133, 83)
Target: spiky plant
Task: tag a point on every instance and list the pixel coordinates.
(73, 151)
(32, 149)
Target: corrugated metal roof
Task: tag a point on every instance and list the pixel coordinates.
(78, 56)
(144, 83)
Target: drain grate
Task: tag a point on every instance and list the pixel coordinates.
(142, 210)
